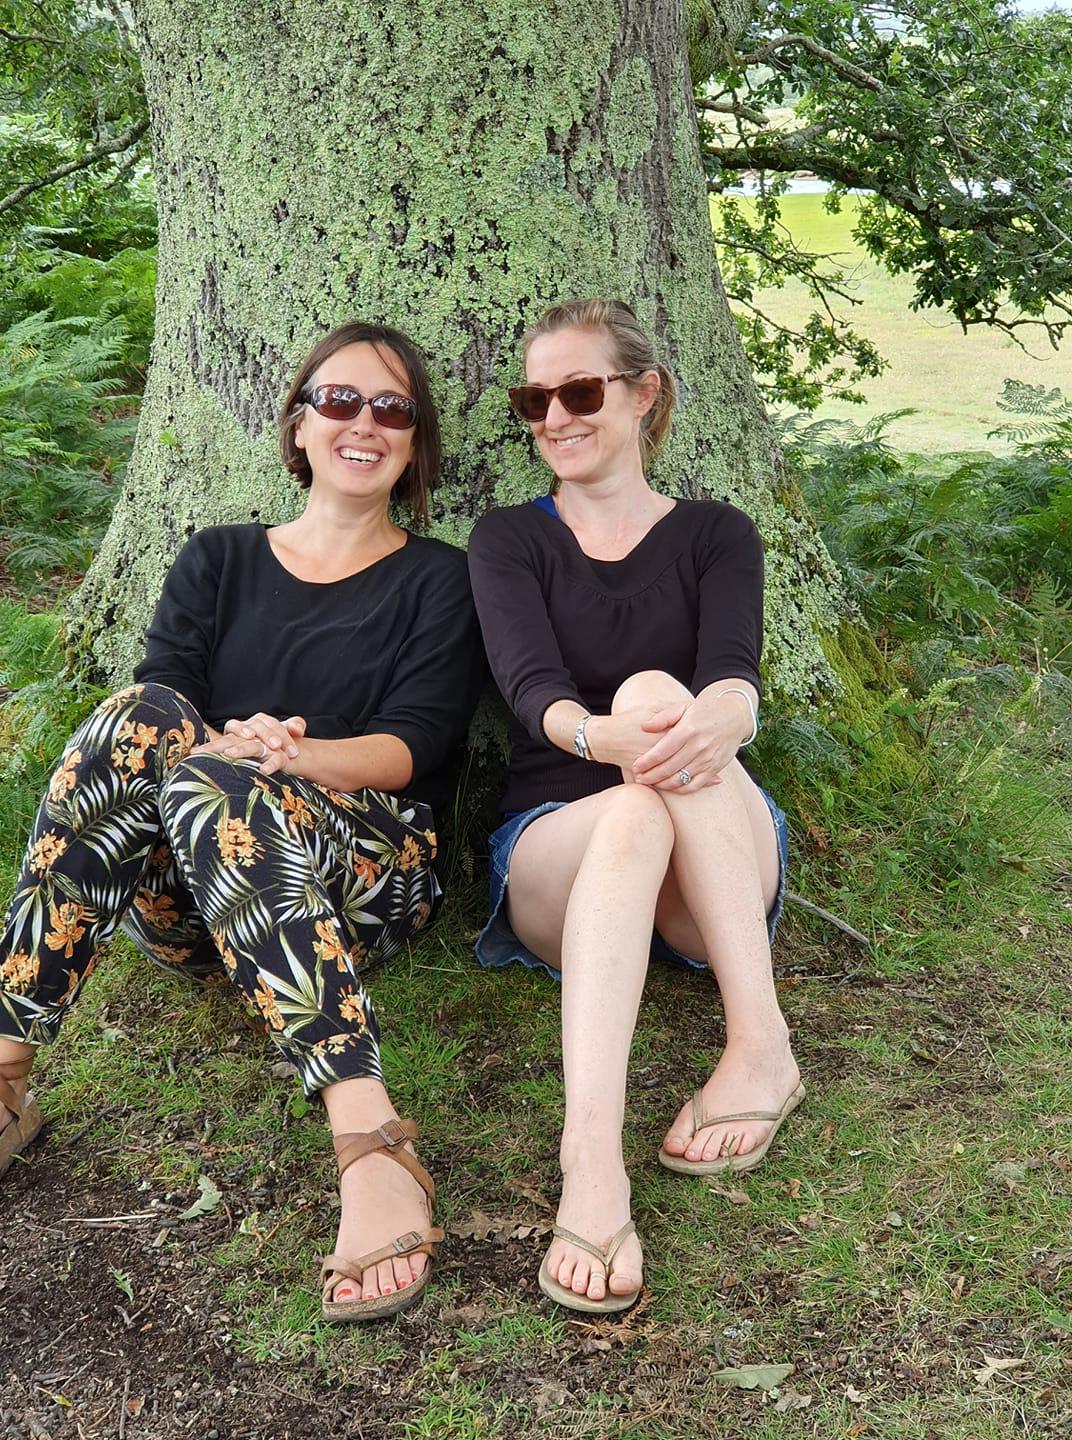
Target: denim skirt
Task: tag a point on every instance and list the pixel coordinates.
(498, 945)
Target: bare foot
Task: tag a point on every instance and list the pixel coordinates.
(595, 1205)
(380, 1201)
(749, 1076)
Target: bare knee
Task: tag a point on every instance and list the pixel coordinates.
(648, 687)
(638, 815)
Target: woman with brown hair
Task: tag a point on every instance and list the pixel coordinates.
(261, 804)
(623, 628)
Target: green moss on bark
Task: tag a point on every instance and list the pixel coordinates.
(451, 169)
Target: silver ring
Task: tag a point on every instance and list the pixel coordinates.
(684, 777)
(264, 753)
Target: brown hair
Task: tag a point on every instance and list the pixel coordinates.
(633, 350)
(422, 472)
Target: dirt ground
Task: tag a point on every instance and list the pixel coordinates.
(115, 1326)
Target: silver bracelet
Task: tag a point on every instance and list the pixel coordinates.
(580, 742)
(736, 690)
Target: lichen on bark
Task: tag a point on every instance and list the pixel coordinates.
(450, 168)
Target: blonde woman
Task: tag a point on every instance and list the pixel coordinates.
(624, 629)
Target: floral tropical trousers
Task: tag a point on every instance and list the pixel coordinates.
(213, 869)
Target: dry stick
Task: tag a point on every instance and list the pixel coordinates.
(123, 1408)
(832, 919)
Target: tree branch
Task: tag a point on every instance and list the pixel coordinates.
(31, 39)
(836, 62)
(109, 147)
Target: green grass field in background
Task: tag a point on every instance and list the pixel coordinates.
(950, 379)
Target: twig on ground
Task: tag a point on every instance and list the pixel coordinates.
(123, 1407)
(842, 925)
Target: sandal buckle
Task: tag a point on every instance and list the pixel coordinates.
(392, 1134)
(406, 1242)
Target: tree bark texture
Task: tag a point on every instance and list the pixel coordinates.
(450, 167)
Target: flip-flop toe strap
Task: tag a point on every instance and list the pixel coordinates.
(603, 1253)
(700, 1121)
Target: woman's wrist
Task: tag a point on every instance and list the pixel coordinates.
(744, 702)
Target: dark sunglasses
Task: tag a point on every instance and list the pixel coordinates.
(343, 402)
(584, 396)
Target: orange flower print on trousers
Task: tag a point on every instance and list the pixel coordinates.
(295, 809)
(158, 911)
(433, 848)
(179, 743)
(138, 739)
(236, 842)
(350, 1008)
(329, 946)
(46, 851)
(19, 971)
(65, 776)
(66, 927)
(266, 1003)
(366, 870)
(410, 855)
(227, 955)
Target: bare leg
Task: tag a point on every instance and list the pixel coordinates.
(583, 887)
(11, 1051)
(380, 1200)
(724, 880)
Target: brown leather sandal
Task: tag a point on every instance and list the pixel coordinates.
(391, 1138)
(27, 1121)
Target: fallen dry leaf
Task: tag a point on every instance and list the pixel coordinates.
(791, 1400)
(793, 1187)
(958, 1287)
(135, 1407)
(735, 1197)
(894, 1220)
(809, 1222)
(994, 1367)
(526, 1187)
(753, 1377)
(478, 1226)
(854, 1396)
(208, 1199)
(465, 1315)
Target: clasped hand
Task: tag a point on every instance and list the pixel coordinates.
(261, 737)
(698, 736)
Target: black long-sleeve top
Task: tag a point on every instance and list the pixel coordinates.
(558, 625)
(392, 650)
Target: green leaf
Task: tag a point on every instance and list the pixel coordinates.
(208, 1199)
(754, 1377)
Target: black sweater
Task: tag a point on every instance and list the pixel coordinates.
(688, 599)
(392, 650)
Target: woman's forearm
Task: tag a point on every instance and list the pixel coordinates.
(375, 762)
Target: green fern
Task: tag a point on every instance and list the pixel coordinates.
(65, 436)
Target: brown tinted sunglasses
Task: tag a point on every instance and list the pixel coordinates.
(583, 396)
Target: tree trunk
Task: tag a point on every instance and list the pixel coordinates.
(450, 167)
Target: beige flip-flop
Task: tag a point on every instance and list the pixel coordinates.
(391, 1138)
(610, 1304)
(27, 1121)
(735, 1163)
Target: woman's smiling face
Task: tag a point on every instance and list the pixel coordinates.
(357, 457)
(583, 448)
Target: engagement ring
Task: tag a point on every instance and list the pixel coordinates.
(684, 777)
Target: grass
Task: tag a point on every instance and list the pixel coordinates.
(951, 380)
(904, 1248)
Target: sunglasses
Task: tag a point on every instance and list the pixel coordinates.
(343, 402)
(584, 396)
